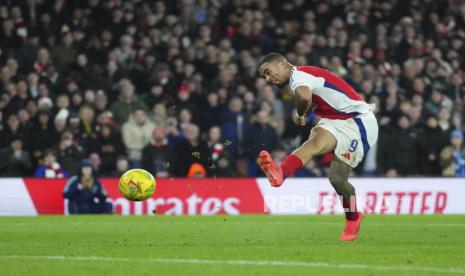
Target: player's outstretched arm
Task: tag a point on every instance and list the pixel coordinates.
(303, 101)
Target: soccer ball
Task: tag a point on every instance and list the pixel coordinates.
(137, 184)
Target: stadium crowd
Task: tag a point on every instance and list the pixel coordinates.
(172, 86)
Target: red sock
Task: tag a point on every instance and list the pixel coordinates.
(290, 165)
(350, 208)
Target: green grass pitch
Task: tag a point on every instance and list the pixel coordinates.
(230, 245)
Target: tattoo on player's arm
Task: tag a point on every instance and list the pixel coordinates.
(303, 100)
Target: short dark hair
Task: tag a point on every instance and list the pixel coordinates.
(139, 108)
(271, 57)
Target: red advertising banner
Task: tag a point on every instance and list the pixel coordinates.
(172, 197)
(193, 197)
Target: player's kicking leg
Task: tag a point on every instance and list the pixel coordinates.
(339, 178)
(320, 142)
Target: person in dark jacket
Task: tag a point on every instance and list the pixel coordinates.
(14, 160)
(158, 156)
(403, 149)
(109, 145)
(45, 135)
(261, 136)
(12, 128)
(431, 141)
(189, 151)
(69, 152)
(85, 193)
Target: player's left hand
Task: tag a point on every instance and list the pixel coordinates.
(299, 120)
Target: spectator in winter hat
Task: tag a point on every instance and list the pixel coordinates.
(197, 170)
(85, 193)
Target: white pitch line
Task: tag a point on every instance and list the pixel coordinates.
(323, 265)
(231, 222)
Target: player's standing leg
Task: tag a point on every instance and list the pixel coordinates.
(339, 178)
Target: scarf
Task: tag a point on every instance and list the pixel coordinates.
(53, 171)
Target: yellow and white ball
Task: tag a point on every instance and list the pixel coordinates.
(137, 184)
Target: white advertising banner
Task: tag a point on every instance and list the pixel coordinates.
(374, 195)
(15, 199)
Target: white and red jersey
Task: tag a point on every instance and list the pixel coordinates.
(332, 96)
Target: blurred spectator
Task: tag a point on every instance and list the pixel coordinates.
(50, 168)
(84, 192)
(45, 135)
(235, 127)
(431, 141)
(96, 162)
(215, 144)
(223, 167)
(453, 156)
(127, 102)
(64, 54)
(197, 170)
(70, 153)
(158, 155)
(153, 97)
(189, 151)
(211, 111)
(159, 114)
(125, 54)
(109, 145)
(122, 165)
(14, 160)
(260, 136)
(12, 129)
(402, 148)
(137, 133)
(86, 128)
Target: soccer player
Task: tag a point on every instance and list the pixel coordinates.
(347, 127)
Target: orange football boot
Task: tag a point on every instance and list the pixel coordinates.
(273, 173)
(352, 229)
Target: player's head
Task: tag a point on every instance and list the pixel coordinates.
(275, 69)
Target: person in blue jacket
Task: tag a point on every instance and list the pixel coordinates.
(85, 193)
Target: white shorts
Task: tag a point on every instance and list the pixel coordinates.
(354, 136)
